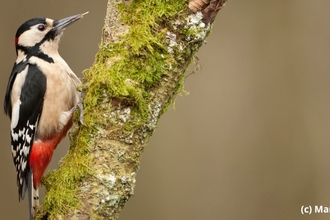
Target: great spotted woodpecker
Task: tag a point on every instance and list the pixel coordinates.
(40, 99)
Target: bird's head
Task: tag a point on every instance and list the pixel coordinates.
(42, 34)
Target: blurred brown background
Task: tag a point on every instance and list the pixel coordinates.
(251, 141)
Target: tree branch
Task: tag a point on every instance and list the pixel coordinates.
(145, 51)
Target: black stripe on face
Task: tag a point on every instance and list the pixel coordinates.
(35, 51)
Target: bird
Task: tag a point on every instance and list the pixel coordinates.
(40, 100)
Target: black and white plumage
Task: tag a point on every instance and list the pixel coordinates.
(40, 99)
(24, 117)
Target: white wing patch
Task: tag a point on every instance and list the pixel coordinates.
(15, 114)
(15, 96)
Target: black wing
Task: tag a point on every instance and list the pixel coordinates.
(18, 68)
(22, 135)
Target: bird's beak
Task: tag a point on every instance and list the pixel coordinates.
(60, 25)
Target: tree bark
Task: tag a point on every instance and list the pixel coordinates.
(140, 67)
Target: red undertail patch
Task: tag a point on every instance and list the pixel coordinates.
(42, 152)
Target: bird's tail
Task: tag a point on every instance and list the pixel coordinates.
(33, 197)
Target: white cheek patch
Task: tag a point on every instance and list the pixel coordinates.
(32, 36)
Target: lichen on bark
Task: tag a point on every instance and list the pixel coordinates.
(146, 48)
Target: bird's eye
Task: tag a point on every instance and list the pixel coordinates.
(41, 27)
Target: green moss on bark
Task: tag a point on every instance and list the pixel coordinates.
(120, 102)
